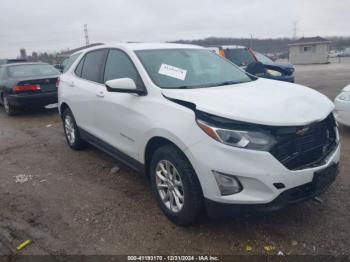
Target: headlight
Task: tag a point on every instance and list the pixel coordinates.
(239, 138)
(274, 72)
(344, 96)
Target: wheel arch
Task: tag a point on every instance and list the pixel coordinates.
(62, 107)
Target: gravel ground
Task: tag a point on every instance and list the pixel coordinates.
(70, 202)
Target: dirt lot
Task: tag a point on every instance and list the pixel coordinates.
(73, 204)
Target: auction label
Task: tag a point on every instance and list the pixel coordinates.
(172, 71)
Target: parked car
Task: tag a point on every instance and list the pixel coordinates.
(342, 106)
(11, 61)
(27, 85)
(249, 60)
(206, 133)
(275, 70)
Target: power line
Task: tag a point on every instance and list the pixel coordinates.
(87, 42)
(295, 28)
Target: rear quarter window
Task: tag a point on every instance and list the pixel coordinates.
(69, 62)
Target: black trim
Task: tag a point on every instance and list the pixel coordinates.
(128, 91)
(112, 151)
(321, 181)
(189, 105)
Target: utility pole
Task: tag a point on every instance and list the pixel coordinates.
(87, 42)
(295, 28)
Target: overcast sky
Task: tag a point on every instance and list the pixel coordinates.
(47, 25)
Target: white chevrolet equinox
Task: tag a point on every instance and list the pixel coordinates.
(208, 135)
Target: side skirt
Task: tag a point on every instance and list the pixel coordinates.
(112, 151)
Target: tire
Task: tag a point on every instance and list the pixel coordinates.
(71, 131)
(9, 109)
(183, 211)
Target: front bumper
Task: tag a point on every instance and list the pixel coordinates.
(342, 112)
(288, 197)
(32, 100)
(257, 171)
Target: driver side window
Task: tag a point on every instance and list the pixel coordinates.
(119, 65)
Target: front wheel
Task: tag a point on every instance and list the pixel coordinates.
(175, 185)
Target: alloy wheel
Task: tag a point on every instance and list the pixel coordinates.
(169, 185)
(70, 129)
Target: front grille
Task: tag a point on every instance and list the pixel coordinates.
(307, 146)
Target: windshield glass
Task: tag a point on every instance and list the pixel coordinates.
(32, 70)
(239, 56)
(189, 68)
(263, 59)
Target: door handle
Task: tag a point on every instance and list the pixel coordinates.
(100, 94)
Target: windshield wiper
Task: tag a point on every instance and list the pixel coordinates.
(229, 83)
(209, 85)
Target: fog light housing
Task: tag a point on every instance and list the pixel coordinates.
(228, 184)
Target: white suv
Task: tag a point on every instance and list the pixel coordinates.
(207, 134)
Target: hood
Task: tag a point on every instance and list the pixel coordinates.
(262, 101)
(281, 65)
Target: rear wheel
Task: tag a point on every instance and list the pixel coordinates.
(71, 131)
(9, 109)
(175, 185)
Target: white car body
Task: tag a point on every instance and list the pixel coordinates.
(342, 107)
(128, 122)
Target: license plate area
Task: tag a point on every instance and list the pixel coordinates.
(323, 178)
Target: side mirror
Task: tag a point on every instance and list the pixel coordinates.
(256, 68)
(123, 85)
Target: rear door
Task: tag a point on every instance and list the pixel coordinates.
(83, 87)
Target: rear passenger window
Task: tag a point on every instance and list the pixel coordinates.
(119, 65)
(93, 65)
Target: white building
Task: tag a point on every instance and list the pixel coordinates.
(309, 50)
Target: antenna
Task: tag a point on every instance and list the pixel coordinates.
(295, 29)
(87, 42)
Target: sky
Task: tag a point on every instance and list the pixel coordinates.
(47, 25)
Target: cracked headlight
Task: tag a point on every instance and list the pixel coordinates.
(256, 140)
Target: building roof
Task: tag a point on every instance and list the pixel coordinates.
(310, 40)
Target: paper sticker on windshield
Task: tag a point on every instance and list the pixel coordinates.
(172, 71)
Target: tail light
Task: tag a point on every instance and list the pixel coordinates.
(57, 82)
(25, 88)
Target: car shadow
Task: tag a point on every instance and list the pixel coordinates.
(33, 112)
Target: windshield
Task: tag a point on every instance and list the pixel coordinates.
(263, 59)
(239, 56)
(189, 68)
(32, 70)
